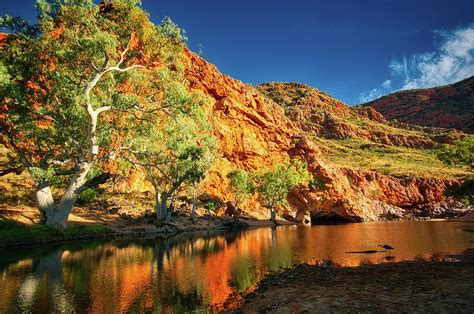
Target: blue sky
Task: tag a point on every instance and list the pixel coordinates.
(353, 49)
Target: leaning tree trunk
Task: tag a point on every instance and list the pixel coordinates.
(57, 215)
(45, 203)
(50, 213)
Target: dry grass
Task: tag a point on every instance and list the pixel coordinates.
(392, 160)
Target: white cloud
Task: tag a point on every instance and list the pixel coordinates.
(387, 84)
(377, 92)
(451, 62)
(372, 94)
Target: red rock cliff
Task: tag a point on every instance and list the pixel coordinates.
(450, 106)
(254, 132)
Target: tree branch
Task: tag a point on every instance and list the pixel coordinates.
(148, 166)
(17, 170)
(97, 180)
(102, 109)
(124, 52)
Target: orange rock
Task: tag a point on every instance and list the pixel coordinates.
(450, 106)
(253, 133)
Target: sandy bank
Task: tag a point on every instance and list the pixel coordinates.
(445, 285)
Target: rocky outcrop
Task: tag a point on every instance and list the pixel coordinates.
(356, 195)
(257, 127)
(450, 106)
(3, 39)
(318, 113)
(445, 209)
(252, 131)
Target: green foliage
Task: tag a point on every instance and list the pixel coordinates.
(275, 184)
(17, 24)
(181, 149)
(88, 196)
(46, 66)
(14, 232)
(461, 153)
(123, 167)
(41, 175)
(241, 185)
(467, 200)
(211, 206)
(170, 29)
(318, 183)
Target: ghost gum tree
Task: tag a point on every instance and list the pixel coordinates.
(73, 84)
(183, 157)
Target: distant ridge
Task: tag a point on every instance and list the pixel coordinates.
(450, 106)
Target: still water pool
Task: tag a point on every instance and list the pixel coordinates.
(199, 272)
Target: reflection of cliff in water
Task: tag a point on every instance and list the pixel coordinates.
(196, 271)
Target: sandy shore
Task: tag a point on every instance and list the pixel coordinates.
(445, 285)
(468, 217)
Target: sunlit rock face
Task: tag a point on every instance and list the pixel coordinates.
(257, 127)
(450, 106)
(3, 38)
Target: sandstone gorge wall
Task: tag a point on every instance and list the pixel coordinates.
(253, 132)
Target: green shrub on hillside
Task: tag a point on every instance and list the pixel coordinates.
(461, 153)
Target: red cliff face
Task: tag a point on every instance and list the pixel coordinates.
(252, 132)
(450, 106)
(3, 39)
(255, 131)
(320, 114)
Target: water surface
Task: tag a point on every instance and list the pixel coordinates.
(199, 272)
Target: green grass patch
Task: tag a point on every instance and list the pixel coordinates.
(12, 232)
(392, 160)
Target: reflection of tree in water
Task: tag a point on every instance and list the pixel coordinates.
(196, 245)
(177, 274)
(49, 265)
(162, 248)
(46, 276)
(180, 302)
(244, 274)
(185, 273)
(275, 253)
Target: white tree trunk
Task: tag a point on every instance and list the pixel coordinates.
(45, 202)
(57, 215)
(273, 215)
(160, 206)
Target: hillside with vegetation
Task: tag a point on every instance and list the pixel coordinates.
(129, 124)
(362, 138)
(450, 106)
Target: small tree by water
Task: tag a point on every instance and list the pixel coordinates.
(274, 185)
(175, 153)
(241, 185)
